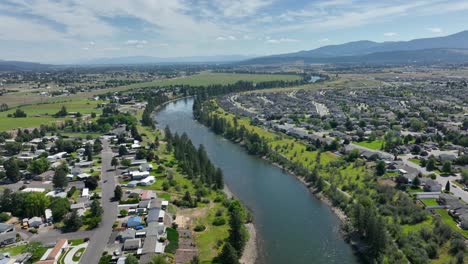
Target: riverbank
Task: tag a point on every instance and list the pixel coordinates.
(250, 254)
(319, 195)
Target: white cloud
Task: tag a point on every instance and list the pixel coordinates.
(323, 40)
(390, 34)
(241, 8)
(222, 38)
(434, 29)
(280, 40)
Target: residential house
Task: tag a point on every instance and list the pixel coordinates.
(132, 244)
(35, 222)
(52, 256)
(7, 234)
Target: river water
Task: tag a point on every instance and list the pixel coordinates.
(293, 227)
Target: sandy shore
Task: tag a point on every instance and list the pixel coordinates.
(249, 256)
(250, 252)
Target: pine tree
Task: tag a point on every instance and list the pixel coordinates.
(228, 255)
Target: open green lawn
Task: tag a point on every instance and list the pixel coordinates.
(39, 114)
(376, 144)
(13, 250)
(430, 202)
(415, 161)
(7, 123)
(207, 78)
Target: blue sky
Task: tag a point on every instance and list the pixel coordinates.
(77, 30)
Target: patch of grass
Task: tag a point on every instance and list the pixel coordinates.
(447, 219)
(78, 254)
(173, 237)
(411, 228)
(416, 161)
(13, 250)
(75, 242)
(430, 202)
(208, 240)
(165, 196)
(376, 144)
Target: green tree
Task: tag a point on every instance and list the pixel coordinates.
(228, 255)
(237, 233)
(380, 168)
(447, 167)
(431, 164)
(126, 162)
(92, 182)
(88, 152)
(96, 209)
(416, 182)
(60, 177)
(131, 259)
(159, 259)
(60, 207)
(118, 193)
(12, 148)
(115, 162)
(34, 204)
(12, 170)
(39, 165)
(72, 221)
(123, 150)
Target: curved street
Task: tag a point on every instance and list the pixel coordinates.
(69, 257)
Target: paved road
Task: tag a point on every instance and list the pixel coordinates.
(101, 234)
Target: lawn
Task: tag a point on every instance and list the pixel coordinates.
(447, 219)
(430, 202)
(173, 237)
(207, 78)
(78, 254)
(415, 161)
(376, 144)
(13, 250)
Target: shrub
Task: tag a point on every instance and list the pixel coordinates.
(219, 221)
(199, 228)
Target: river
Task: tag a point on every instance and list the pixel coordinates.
(293, 227)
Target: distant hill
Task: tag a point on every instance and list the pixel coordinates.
(156, 60)
(446, 48)
(22, 66)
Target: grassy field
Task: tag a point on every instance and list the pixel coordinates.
(39, 114)
(207, 241)
(376, 144)
(207, 78)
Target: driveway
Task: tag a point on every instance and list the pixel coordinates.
(101, 234)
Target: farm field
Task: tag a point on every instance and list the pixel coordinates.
(216, 78)
(39, 114)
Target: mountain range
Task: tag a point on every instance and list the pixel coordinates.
(447, 49)
(452, 48)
